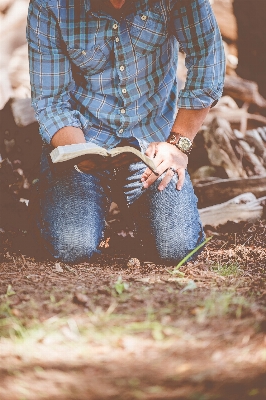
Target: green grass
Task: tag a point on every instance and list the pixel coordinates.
(227, 269)
(221, 305)
(96, 324)
(10, 325)
(176, 271)
(120, 286)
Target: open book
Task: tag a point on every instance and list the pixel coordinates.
(99, 157)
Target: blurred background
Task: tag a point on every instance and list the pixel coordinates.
(231, 144)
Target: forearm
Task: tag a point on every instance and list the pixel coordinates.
(188, 122)
(68, 135)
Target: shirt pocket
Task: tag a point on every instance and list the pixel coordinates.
(90, 61)
(148, 32)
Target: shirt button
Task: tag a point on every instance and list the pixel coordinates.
(117, 39)
(122, 68)
(115, 26)
(124, 90)
(123, 111)
(121, 131)
(143, 17)
(84, 52)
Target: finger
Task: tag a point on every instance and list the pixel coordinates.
(158, 162)
(167, 178)
(159, 171)
(146, 174)
(181, 178)
(150, 152)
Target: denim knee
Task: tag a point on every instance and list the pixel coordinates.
(74, 247)
(175, 249)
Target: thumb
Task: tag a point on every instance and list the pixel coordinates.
(151, 150)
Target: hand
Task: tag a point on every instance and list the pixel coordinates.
(165, 156)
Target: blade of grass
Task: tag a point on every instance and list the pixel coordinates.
(190, 254)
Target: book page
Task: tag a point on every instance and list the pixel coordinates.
(128, 149)
(69, 152)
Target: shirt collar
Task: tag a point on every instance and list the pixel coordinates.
(96, 5)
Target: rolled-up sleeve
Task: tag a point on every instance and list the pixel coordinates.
(50, 73)
(198, 34)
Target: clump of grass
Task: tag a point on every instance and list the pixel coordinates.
(10, 325)
(227, 269)
(220, 305)
(120, 286)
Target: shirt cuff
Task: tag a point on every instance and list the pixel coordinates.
(198, 99)
(51, 123)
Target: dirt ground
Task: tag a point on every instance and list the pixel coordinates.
(115, 329)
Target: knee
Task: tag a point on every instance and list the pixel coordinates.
(73, 248)
(175, 250)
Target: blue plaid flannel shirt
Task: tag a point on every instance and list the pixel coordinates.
(117, 79)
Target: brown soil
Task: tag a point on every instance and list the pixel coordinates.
(82, 332)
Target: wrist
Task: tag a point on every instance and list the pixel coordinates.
(182, 142)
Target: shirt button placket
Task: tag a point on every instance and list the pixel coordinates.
(122, 69)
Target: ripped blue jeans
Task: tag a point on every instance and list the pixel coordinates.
(73, 207)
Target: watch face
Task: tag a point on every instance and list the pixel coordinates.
(184, 143)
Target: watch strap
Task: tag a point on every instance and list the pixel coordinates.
(174, 140)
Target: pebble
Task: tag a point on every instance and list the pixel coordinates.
(133, 263)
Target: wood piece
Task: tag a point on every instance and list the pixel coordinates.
(262, 132)
(252, 160)
(12, 35)
(244, 207)
(254, 139)
(222, 190)
(223, 11)
(233, 116)
(244, 119)
(244, 90)
(18, 71)
(218, 140)
(204, 172)
(226, 102)
(23, 112)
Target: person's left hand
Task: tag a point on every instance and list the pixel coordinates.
(166, 158)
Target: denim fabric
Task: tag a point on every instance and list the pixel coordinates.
(73, 207)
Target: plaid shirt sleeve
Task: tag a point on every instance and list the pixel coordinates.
(50, 74)
(199, 37)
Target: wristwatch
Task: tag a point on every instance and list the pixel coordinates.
(181, 142)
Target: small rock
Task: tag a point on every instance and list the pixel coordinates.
(16, 312)
(80, 298)
(133, 263)
(58, 267)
